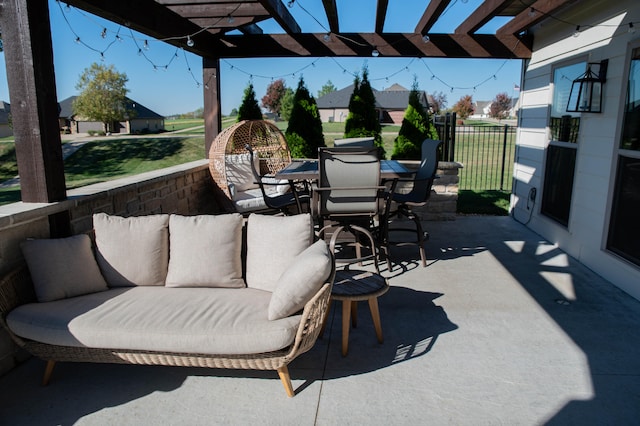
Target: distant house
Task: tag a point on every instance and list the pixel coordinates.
(5, 120)
(390, 104)
(143, 120)
(482, 109)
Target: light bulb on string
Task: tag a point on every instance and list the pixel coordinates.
(327, 37)
(146, 45)
(78, 40)
(576, 33)
(426, 38)
(190, 41)
(631, 29)
(375, 53)
(532, 13)
(103, 34)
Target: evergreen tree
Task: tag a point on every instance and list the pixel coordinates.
(362, 120)
(416, 127)
(304, 133)
(249, 109)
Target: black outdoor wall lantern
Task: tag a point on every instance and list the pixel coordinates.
(586, 90)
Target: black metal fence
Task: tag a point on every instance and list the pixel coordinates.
(487, 153)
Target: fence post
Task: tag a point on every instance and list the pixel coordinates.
(452, 141)
(504, 155)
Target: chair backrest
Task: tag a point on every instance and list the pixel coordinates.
(426, 173)
(364, 142)
(349, 181)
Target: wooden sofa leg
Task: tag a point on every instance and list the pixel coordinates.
(47, 372)
(283, 372)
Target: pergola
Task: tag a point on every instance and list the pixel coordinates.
(205, 28)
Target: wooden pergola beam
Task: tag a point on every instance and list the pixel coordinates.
(281, 14)
(525, 19)
(331, 10)
(154, 20)
(381, 15)
(431, 15)
(481, 16)
(388, 44)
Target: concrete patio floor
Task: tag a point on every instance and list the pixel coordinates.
(502, 327)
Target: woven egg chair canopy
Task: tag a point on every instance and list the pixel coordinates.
(264, 137)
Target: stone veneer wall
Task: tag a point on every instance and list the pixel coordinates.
(185, 189)
(442, 204)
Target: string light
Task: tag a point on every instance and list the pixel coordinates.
(327, 37)
(576, 33)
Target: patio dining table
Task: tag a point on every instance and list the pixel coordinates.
(308, 170)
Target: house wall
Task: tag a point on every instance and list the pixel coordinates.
(5, 130)
(594, 179)
(337, 115)
(142, 125)
(185, 189)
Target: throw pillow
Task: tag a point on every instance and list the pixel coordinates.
(272, 243)
(205, 251)
(299, 282)
(62, 267)
(133, 250)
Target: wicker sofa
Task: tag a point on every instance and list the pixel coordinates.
(205, 291)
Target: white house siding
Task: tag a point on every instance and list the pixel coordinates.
(594, 179)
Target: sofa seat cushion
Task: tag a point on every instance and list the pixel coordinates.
(183, 320)
(249, 200)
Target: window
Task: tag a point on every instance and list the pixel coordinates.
(561, 152)
(624, 228)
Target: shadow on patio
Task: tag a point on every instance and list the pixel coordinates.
(501, 327)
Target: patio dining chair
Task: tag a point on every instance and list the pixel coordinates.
(418, 195)
(348, 196)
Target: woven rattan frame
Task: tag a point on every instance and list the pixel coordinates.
(264, 137)
(16, 289)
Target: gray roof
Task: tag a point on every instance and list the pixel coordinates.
(395, 97)
(66, 109)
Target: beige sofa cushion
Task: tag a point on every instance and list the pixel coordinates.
(183, 320)
(300, 281)
(63, 267)
(205, 251)
(272, 243)
(133, 250)
(239, 173)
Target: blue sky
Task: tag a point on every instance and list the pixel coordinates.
(169, 80)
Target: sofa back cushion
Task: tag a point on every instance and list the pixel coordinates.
(205, 251)
(62, 267)
(134, 250)
(272, 244)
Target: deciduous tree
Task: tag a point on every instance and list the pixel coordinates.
(464, 107)
(500, 106)
(102, 95)
(327, 88)
(272, 101)
(438, 102)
